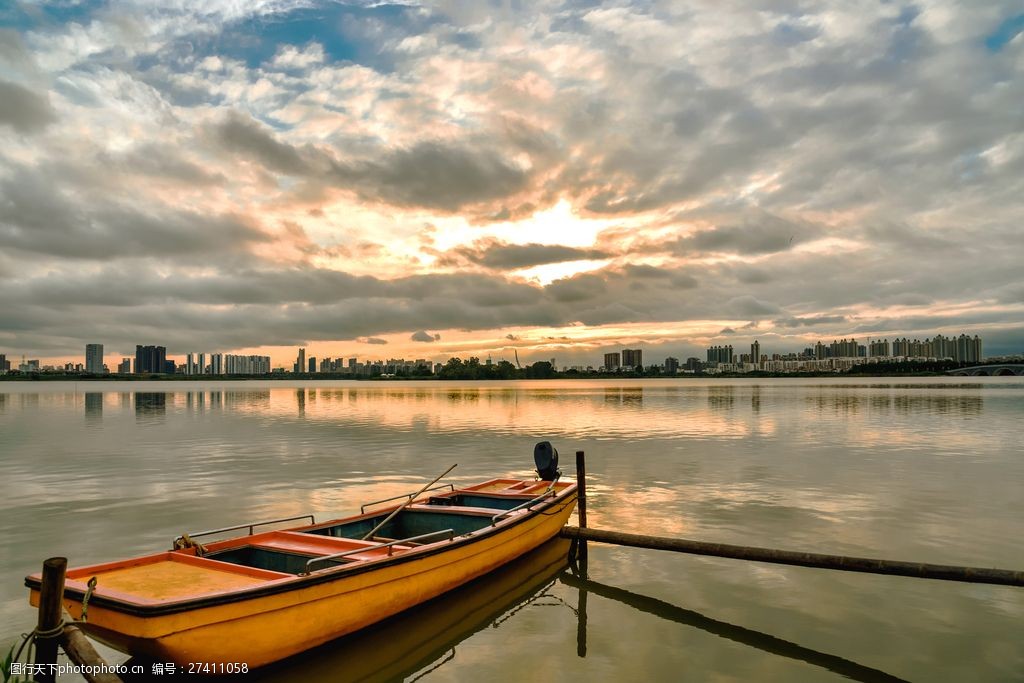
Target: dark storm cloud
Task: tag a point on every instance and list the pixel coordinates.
(763, 234)
(748, 306)
(13, 49)
(24, 110)
(430, 174)
(133, 285)
(810, 321)
(931, 323)
(424, 336)
(577, 288)
(274, 306)
(644, 271)
(637, 276)
(436, 175)
(504, 256)
(160, 161)
(37, 217)
(246, 137)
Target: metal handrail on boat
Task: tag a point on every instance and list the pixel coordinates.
(450, 533)
(248, 525)
(362, 508)
(549, 492)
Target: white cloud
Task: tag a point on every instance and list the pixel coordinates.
(293, 57)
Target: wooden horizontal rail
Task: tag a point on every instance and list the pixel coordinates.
(80, 651)
(920, 570)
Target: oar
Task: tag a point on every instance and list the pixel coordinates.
(406, 503)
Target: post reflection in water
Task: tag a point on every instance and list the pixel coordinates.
(761, 641)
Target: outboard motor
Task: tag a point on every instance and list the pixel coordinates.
(546, 457)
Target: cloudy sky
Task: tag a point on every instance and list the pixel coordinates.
(456, 178)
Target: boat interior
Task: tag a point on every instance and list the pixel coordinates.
(245, 561)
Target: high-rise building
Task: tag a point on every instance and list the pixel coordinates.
(200, 363)
(312, 364)
(94, 358)
(150, 359)
(755, 352)
(720, 354)
(216, 363)
(612, 361)
(632, 358)
(693, 364)
(125, 366)
(879, 348)
(246, 365)
(943, 347)
(843, 349)
(968, 350)
(4, 365)
(671, 365)
(300, 362)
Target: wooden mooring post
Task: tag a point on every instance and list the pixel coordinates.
(921, 570)
(578, 554)
(579, 549)
(581, 486)
(52, 630)
(51, 617)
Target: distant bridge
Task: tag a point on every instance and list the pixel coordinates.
(1003, 370)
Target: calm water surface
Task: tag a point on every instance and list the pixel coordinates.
(924, 469)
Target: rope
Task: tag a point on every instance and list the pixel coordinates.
(50, 633)
(85, 600)
(184, 541)
(29, 639)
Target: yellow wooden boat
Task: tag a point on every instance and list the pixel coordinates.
(235, 604)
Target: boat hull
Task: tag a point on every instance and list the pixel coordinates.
(254, 631)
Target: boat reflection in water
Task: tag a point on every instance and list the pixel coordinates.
(427, 635)
(424, 638)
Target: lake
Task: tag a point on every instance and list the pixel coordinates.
(924, 469)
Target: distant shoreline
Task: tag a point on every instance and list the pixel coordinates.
(50, 377)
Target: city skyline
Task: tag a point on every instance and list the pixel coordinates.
(963, 348)
(557, 180)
